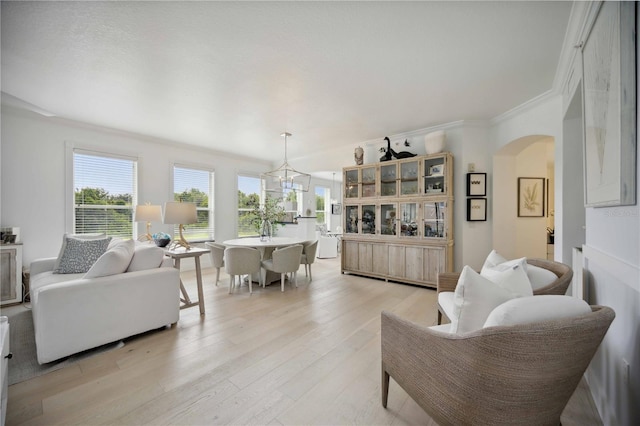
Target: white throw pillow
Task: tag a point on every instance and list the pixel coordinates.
(474, 299)
(493, 259)
(146, 257)
(114, 261)
(63, 247)
(525, 310)
(80, 254)
(540, 277)
(517, 282)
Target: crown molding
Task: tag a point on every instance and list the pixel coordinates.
(528, 105)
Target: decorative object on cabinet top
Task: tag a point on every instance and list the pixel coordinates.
(389, 152)
(434, 142)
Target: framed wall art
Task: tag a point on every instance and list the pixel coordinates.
(476, 209)
(336, 208)
(531, 197)
(609, 80)
(476, 184)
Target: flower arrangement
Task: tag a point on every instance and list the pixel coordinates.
(271, 211)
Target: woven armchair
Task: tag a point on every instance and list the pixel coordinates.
(507, 375)
(447, 281)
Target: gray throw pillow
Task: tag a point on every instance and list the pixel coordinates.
(79, 255)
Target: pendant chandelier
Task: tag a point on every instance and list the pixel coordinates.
(285, 178)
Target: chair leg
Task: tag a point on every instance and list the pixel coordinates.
(385, 387)
(439, 317)
(251, 285)
(232, 280)
(217, 276)
(295, 278)
(282, 282)
(310, 276)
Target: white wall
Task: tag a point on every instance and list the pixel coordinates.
(33, 176)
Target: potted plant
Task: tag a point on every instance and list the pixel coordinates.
(266, 217)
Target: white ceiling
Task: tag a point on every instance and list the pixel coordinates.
(232, 76)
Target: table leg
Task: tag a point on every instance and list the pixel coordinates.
(199, 281)
(185, 296)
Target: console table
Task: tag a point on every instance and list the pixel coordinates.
(182, 253)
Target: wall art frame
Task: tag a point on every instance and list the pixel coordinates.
(336, 208)
(476, 209)
(609, 93)
(476, 184)
(531, 196)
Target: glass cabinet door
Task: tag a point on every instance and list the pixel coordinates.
(368, 181)
(388, 180)
(435, 176)
(388, 219)
(351, 219)
(435, 219)
(409, 178)
(351, 183)
(369, 219)
(409, 219)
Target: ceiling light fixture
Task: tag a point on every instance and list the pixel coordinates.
(285, 178)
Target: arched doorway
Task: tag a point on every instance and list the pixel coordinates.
(533, 157)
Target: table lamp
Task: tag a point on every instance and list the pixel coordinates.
(148, 213)
(178, 213)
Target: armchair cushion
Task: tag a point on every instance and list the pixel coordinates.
(531, 309)
(516, 273)
(78, 255)
(539, 277)
(476, 296)
(114, 261)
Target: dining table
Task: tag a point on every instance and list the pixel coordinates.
(266, 246)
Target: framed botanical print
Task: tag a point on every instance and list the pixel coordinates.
(476, 209)
(476, 184)
(530, 197)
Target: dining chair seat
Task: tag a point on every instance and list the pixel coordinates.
(241, 261)
(283, 261)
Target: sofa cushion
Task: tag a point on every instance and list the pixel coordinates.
(146, 257)
(49, 277)
(526, 310)
(80, 254)
(63, 247)
(518, 283)
(476, 296)
(114, 261)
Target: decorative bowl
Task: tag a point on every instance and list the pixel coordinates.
(162, 242)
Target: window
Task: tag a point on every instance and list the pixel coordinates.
(195, 186)
(322, 201)
(249, 195)
(104, 188)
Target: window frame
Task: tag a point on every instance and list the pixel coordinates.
(261, 196)
(71, 149)
(211, 198)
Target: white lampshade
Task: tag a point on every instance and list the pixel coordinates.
(148, 213)
(180, 213)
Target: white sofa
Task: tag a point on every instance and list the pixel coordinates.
(72, 313)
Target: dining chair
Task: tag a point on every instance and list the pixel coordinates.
(217, 257)
(308, 256)
(241, 261)
(284, 260)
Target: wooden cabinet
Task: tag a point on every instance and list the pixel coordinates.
(398, 219)
(11, 274)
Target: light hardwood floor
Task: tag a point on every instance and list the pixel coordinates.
(310, 355)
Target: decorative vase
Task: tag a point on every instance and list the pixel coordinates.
(358, 154)
(434, 142)
(265, 231)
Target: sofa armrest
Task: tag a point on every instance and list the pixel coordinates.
(447, 281)
(39, 266)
